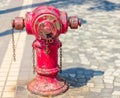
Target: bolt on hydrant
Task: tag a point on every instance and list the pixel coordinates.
(46, 23)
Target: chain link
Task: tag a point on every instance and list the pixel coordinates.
(47, 48)
(60, 66)
(13, 45)
(33, 58)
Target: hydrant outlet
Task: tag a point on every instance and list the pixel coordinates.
(18, 23)
(74, 22)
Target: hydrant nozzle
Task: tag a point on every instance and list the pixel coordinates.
(18, 23)
(74, 22)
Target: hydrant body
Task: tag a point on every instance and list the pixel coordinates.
(46, 23)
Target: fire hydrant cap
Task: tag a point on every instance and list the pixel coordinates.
(18, 23)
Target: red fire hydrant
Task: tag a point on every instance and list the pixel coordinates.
(46, 23)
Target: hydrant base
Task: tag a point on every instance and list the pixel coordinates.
(47, 86)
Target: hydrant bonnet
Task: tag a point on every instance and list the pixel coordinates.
(46, 15)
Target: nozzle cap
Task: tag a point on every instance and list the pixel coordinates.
(74, 22)
(18, 23)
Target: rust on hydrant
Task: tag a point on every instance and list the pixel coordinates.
(46, 23)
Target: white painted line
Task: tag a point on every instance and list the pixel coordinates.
(9, 69)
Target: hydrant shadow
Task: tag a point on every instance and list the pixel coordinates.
(8, 32)
(77, 77)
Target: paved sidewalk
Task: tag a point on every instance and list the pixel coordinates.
(91, 54)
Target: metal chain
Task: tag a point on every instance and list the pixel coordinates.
(13, 45)
(33, 58)
(47, 49)
(60, 59)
